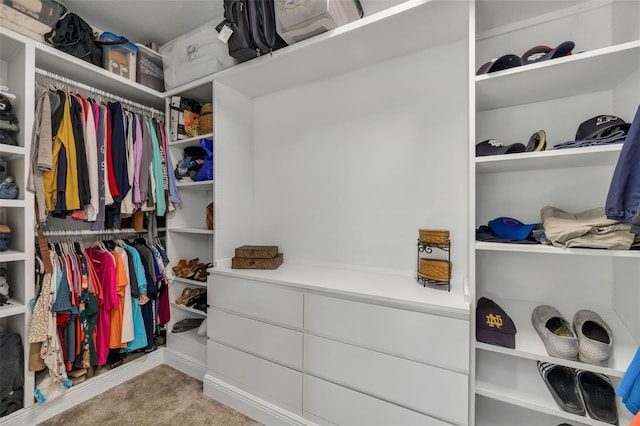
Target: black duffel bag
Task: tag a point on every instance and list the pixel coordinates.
(73, 35)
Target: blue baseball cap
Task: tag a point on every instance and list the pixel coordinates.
(513, 229)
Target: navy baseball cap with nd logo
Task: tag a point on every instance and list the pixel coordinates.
(493, 325)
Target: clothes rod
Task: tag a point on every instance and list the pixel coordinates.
(97, 92)
(89, 232)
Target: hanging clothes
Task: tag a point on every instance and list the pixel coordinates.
(41, 148)
(103, 162)
(63, 144)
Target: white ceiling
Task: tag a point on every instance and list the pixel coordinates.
(143, 21)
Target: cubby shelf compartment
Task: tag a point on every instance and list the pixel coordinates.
(188, 309)
(534, 395)
(11, 256)
(12, 203)
(568, 76)
(529, 345)
(550, 159)
(9, 152)
(191, 282)
(190, 141)
(203, 231)
(13, 308)
(545, 249)
(189, 344)
(206, 185)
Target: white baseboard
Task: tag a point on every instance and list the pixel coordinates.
(83, 391)
(250, 405)
(184, 364)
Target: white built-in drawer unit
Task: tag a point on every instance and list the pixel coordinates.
(267, 380)
(326, 403)
(278, 344)
(430, 390)
(257, 300)
(431, 339)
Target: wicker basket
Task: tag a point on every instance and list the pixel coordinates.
(433, 236)
(435, 269)
(206, 119)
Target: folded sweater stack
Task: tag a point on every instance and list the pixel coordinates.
(589, 228)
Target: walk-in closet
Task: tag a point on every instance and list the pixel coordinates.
(340, 151)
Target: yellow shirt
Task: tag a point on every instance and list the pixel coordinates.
(64, 137)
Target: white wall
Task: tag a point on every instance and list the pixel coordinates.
(348, 169)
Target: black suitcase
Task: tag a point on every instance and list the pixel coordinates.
(254, 28)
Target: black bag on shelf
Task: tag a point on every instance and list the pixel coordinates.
(73, 35)
(254, 28)
(11, 373)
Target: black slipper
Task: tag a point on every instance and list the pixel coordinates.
(186, 324)
(561, 382)
(598, 395)
(537, 142)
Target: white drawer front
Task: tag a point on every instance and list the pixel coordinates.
(433, 391)
(269, 381)
(265, 340)
(342, 406)
(262, 301)
(428, 338)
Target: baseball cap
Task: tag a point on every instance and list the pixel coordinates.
(493, 325)
(494, 147)
(5, 103)
(543, 53)
(602, 127)
(507, 227)
(502, 63)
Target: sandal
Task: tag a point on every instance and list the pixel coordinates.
(178, 266)
(202, 273)
(188, 269)
(194, 294)
(186, 295)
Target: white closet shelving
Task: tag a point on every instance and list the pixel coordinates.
(556, 96)
(309, 149)
(187, 238)
(15, 59)
(21, 59)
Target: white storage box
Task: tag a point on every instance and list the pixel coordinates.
(194, 55)
(297, 20)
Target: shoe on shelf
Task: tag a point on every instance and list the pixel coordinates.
(178, 266)
(555, 331)
(598, 395)
(202, 330)
(595, 339)
(561, 382)
(537, 142)
(195, 293)
(184, 297)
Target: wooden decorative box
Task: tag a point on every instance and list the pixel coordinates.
(257, 263)
(257, 252)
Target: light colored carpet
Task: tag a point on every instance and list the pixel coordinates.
(161, 396)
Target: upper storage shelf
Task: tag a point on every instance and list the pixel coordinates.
(550, 159)
(394, 32)
(593, 71)
(50, 59)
